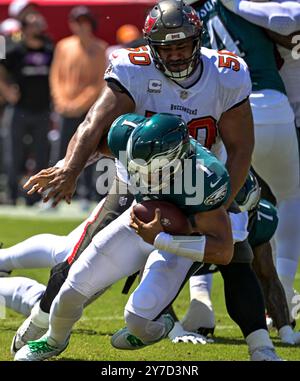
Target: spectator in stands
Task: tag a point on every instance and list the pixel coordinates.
(76, 80)
(127, 36)
(24, 86)
(19, 9)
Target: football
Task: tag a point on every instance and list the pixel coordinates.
(173, 219)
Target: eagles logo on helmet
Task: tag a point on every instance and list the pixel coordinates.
(155, 150)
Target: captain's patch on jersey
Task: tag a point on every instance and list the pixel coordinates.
(217, 196)
(154, 86)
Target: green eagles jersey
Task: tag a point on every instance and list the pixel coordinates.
(262, 224)
(226, 30)
(201, 185)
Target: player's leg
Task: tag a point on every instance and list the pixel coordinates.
(108, 210)
(43, 250)
(288, 247)
(163, 277)
(105, 212)
(20, 293)
(273, 293)
(276, 160)
(105, 261)
(200, 315)
(245, 303)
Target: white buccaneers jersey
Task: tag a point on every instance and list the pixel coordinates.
(224, 83)
(290, 73)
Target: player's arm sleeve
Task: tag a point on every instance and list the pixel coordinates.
(236, 86)
(121, 76)
(282, 18)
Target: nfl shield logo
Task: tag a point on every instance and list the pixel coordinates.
(184, 94)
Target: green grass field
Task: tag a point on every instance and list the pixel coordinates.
(91, 335)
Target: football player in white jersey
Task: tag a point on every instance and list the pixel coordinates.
(209, 90)
(282, 19)
(276, 147)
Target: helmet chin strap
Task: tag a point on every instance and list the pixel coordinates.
(184, 74)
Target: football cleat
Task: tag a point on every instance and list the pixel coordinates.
(123, 339)
(26, 332)
(39, 350)
(179, 335)
(206, 332)
(264, 354)
(34, 327)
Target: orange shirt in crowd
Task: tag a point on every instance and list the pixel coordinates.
(76, 76)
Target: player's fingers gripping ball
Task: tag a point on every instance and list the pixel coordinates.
(171, 218)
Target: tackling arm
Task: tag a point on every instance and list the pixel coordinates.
(237, 132)
(85, 143)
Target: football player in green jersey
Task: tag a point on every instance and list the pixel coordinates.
(171, 75)
(161, 137)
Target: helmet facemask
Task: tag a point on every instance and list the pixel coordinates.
(159, 171)
(155, 152)
(191, 62)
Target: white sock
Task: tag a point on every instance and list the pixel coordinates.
(200, 313)
(258, 339)
(286, 269)
(21, 293)
(39, 317)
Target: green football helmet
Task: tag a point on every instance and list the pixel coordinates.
(121, 129)
(155, 151)
(249, 195)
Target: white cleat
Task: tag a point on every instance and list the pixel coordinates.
(39, 350)
(264, 354)
(28, 331)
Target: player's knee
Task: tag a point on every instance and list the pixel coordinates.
(69, 299)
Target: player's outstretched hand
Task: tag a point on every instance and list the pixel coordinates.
(58, 183)
(179, 335)
(147, 231)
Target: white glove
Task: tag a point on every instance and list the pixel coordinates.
(269, 322)
(288, 336)
(231, 5)
(179, 335)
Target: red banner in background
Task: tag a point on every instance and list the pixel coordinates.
(111, 14)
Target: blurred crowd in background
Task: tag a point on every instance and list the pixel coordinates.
(46, 90)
